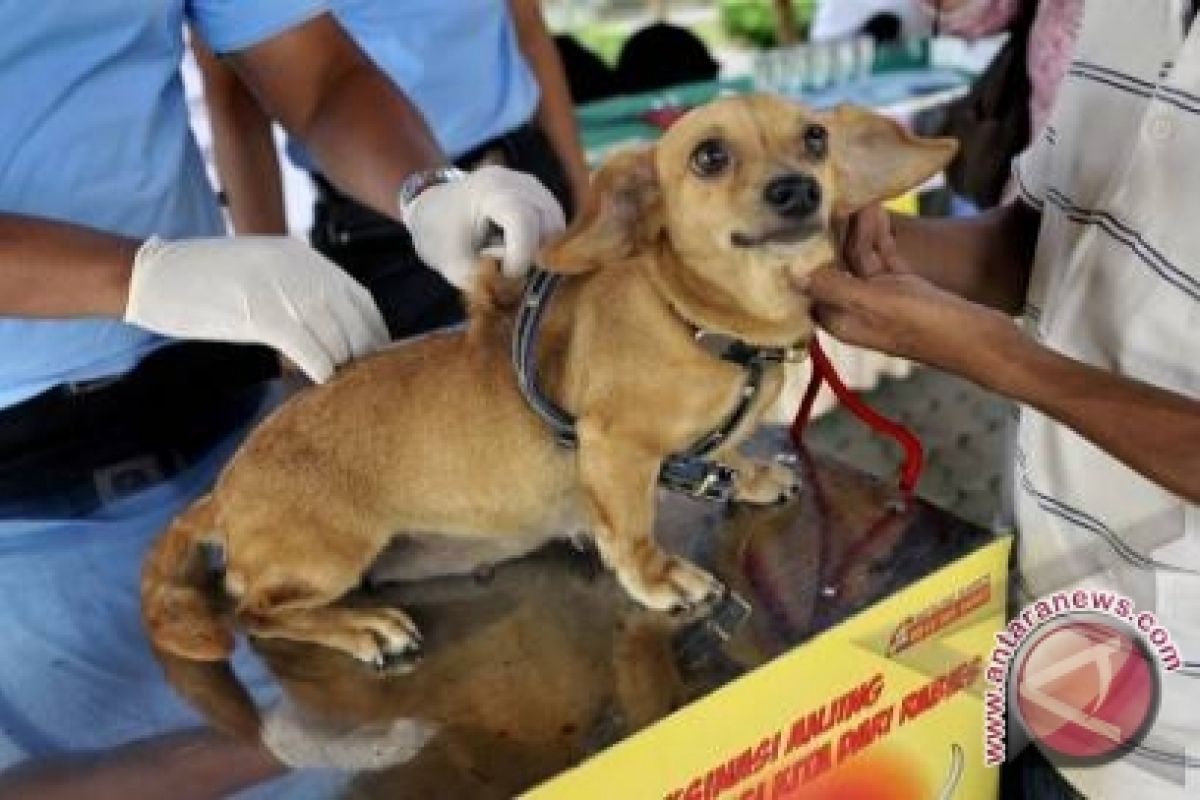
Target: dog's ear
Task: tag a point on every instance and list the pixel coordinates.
(876, 158)
(620, 213)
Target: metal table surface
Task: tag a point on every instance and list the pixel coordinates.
(542, 661)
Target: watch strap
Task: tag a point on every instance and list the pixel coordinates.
(422, 179)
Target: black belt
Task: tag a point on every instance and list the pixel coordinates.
(75, 447)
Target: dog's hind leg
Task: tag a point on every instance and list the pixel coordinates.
(296, 601)
(382, 637)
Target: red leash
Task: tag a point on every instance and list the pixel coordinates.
(910, 469)
(823, 371)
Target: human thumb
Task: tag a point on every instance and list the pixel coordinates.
(832, 286)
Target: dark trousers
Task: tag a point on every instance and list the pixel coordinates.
(378, 252)
(76, 447)
(1031, 776)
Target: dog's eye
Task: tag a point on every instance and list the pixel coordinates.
(816, 141)
(710, 158)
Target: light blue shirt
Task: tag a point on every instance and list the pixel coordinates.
(457, 60)
(76, 671)
(94, 130)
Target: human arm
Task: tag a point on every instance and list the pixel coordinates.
(1154, 431)
(368, 138)
(197, 764)
(268, 290)
(201, 763)
(364, 133)
(243, 147)
(56, 269)
(556, 110)
(986, 259)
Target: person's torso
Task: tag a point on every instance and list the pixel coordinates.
(94, 132)
(1116, 284)
(459, 62)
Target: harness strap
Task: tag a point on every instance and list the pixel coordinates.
(533, 307)
(688, 471)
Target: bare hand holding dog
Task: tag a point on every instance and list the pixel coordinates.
(881, 302)
(869, 243)
(901, 313)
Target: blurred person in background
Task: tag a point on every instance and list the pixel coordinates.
(1055, 24)
(1009, 104)
(884, 20)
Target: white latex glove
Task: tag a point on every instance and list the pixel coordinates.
(450, 222)
(302, 740)
(271, 290)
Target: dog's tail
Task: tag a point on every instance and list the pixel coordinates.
(492, 292)
(190, 634)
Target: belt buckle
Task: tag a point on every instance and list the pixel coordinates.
(127, 477)
(87, 387)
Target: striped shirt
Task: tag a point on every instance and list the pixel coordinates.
(1116, 284)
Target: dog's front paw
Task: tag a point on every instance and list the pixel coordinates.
(671, 583)
(765, 483)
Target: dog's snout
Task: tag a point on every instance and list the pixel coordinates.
(793, 195)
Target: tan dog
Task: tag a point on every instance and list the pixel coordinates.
(710, 229)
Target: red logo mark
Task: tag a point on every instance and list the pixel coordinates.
(1086, 689)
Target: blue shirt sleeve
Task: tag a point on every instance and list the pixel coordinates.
(229, 25)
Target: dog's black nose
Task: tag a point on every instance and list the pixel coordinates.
(793, 195)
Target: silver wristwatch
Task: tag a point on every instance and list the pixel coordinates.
(422, 179)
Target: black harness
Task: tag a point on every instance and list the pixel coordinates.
(691, 471)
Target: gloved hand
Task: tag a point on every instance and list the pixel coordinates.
(449, 222)
(271, 290)
(302, 739)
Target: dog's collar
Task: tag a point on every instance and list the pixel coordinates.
(738, 351)
(729, 347)
(688, 471)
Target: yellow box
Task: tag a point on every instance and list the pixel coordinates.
(887, 706)
(907, 203)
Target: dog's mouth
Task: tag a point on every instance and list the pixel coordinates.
(790, 234)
